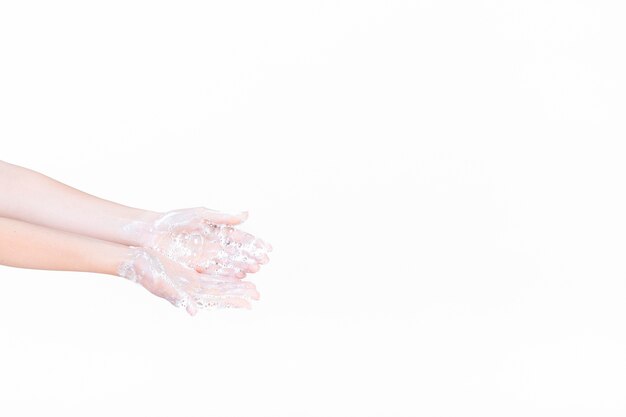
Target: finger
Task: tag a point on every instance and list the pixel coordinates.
(222, 270)
(228, 271)
(217, 279)
(261, 244)
(219, 270)
(215, 286)
(231, 249)
(242, 289)
(179, 299)
(222, 302)
(247, 293)
(227, 267)
(235, 302)
(188, 218)
(240, 236)
(162, 287)
(248, 241)
(260, 256)
(192, 307)
(223, 217)
(251, 293)
(263, 259)
(249, 266)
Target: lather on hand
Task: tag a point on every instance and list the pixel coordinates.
(194, 258)
(203, 239)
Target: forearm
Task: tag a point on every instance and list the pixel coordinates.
(35, 198)
(25, 245)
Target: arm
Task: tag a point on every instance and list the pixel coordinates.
(25, 245)
(200, 238)
(35, 198)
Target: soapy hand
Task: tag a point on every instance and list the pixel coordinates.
(205, 240)
(183, 286)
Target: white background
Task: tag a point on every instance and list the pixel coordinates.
(443, 183)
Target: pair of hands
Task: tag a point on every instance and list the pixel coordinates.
(196, 258)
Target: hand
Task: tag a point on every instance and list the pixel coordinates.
(206, 241)
(182, 286)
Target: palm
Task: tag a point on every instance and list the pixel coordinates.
(184, 287)
(196, 238)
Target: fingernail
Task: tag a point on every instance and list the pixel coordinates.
(241, 215)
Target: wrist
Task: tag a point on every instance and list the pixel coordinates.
(126, 265)
(139, 230)
(107, 257)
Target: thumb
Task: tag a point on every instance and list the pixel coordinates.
(224, 217)
(184, 300)
(192, 307)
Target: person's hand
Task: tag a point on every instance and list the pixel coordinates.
(206, 241)
(182, 286)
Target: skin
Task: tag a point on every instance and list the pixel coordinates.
(75, 231)
(189, 238)
(72, 210)
(25, 245)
